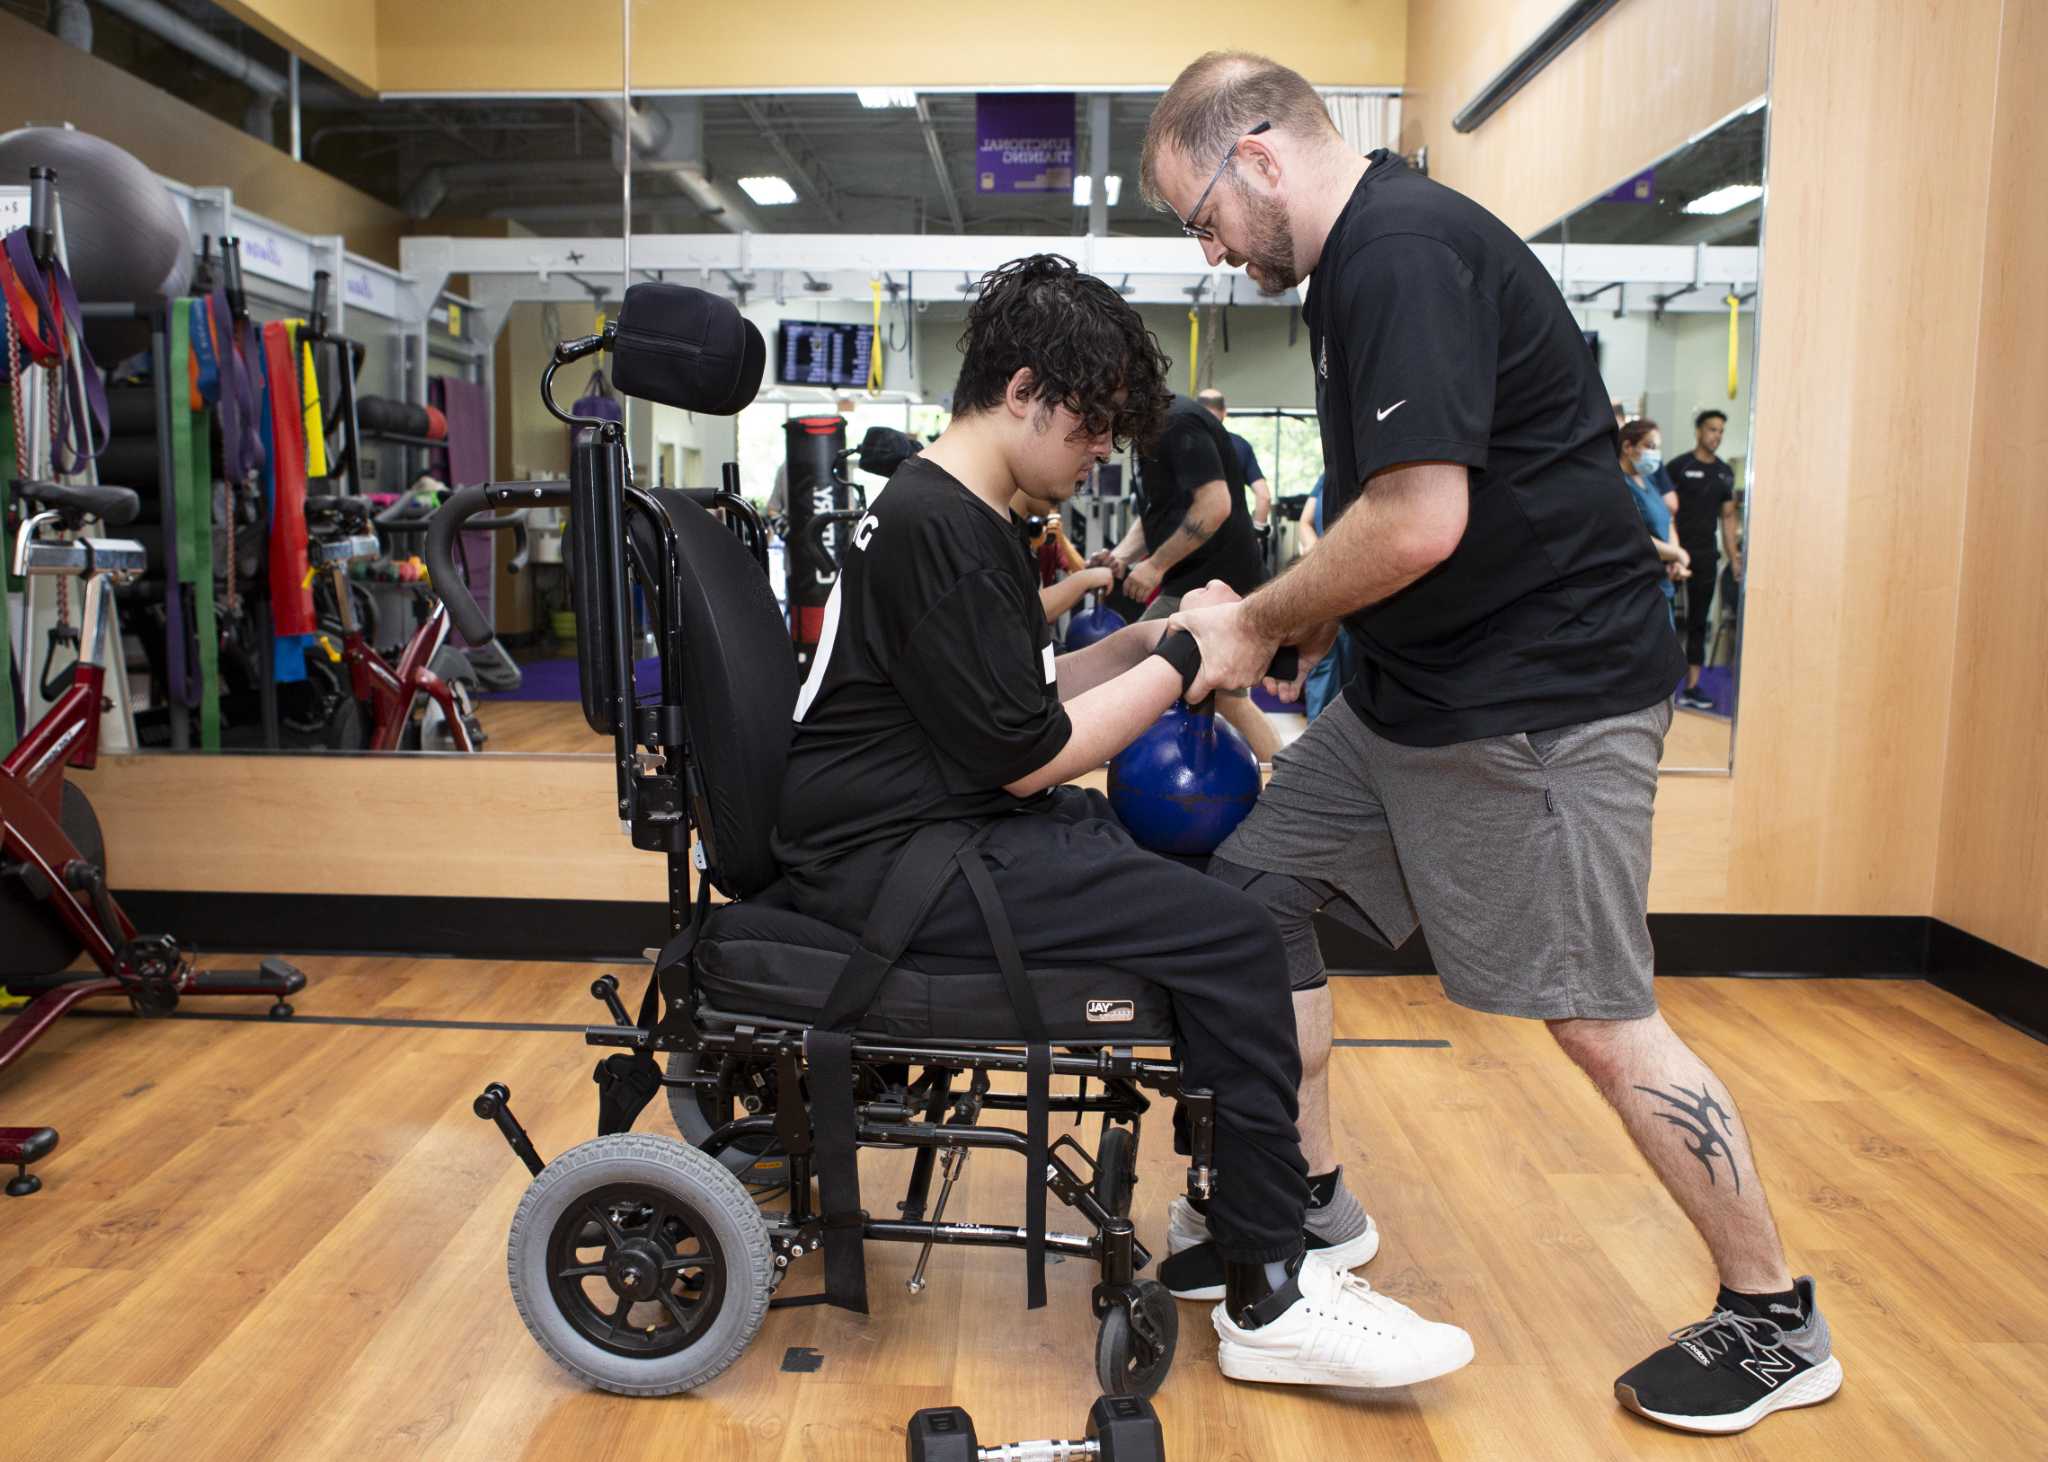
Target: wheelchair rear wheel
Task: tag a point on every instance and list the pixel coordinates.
(639, 1264)
(1134, 1351)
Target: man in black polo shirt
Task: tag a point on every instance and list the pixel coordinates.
(1247, 458)
(1193, 527)
(935, 697)
(1706, 518)
(1491, 770)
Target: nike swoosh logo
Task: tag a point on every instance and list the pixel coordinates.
(1383, 415)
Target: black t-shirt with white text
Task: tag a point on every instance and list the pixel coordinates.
(933, 683)
(1437, 336)
(1192, 451)
(1703, 488)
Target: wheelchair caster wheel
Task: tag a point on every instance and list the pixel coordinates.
(281, 1011)
(640, 1265)
(1116, 1170)
(1135, 1349)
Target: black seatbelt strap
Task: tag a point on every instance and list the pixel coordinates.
(1037, 1066)
(915, 880)
(835, 1158)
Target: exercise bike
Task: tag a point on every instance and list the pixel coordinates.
(425, 702)
(54, 899)
(644, 1265)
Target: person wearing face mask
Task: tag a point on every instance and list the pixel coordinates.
(1489, 774)
(1641, 465)
(1704, 491)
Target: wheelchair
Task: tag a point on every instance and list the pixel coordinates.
(645, 1265)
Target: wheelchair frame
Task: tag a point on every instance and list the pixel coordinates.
(661, 802)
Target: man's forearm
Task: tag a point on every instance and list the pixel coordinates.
(1405, 524)
(1206, 512)
(1106, 719)
(1080, 671)
(1731, 531)
(1262, 500)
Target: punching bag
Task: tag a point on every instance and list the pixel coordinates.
(813, 445)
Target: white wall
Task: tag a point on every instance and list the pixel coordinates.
(1672, 369)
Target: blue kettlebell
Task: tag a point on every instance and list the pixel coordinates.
(1185, 783)
(1090, 625)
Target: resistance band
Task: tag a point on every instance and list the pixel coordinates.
(1194, 345)
(7, 475)
(192, 486)
(875, 348)
(1734, 316)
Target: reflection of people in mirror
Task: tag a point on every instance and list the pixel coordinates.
(1642, 468)
(1703, 496)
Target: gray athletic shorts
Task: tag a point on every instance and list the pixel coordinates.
(1524, 859)
(1164, 605)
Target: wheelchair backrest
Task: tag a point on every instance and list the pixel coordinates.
(726, 660)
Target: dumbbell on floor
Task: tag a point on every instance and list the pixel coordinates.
(1120, 1429)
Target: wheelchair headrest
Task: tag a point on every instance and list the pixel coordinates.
(685, 348)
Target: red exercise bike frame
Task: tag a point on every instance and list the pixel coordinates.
(151, 972)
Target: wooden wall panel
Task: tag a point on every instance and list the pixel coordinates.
(1866, 376)
(460, 826)
(1647, 76)
(523, 827)
(53, 82)
(521, 45)
(340, 39)
(1993, 878)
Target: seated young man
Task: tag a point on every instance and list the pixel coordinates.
(935, 696)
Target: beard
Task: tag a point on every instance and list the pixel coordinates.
(1270, 250)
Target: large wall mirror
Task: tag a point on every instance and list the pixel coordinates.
(1662, 273)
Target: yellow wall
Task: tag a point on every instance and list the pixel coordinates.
(1646, 77)
(53, 82)
(1993, 874)
(338, 36)
(520, 45)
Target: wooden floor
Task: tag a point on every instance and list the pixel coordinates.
(1696, 740)
(288, 1241)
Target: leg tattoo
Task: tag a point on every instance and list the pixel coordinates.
(1698, 1111)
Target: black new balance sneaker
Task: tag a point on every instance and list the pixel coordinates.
(1731, 1370)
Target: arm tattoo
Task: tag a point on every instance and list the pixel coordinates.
(1194, 530)
(1696, 1114)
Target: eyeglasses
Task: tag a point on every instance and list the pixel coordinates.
(1201, 231)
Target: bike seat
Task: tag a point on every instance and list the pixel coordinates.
(114, 506)
(342, 514)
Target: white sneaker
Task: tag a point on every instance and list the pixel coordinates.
(1341, 1332)
(1201, 1276)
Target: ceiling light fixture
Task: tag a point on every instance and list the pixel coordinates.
(1084, 189)
(1725, 200)
(769, 192)
(875, 98)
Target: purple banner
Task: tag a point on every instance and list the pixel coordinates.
(1642, 188)
(1024, 142)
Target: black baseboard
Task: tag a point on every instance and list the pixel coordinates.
(2009, 986)
(319, 923)
(1763, 946)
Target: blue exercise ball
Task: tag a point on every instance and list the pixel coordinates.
(1185, 783)
(1090, 625)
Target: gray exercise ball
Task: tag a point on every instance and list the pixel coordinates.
(123, 234)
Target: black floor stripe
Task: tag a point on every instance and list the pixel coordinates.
(393, 1022)
(371, 1021)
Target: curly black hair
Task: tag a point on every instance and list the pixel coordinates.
(1082, 342)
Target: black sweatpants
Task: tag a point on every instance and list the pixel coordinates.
(1699, 599)
(1078, 890)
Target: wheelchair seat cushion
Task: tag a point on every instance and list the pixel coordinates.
(763, 958)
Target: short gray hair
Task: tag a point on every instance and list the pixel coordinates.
(1218, 99)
